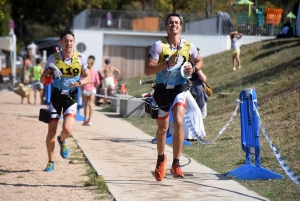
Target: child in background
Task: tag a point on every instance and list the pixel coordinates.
(89, 92)
(235, 46)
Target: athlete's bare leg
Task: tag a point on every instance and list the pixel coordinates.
(161, 135)
(50, 140)
(178, 136)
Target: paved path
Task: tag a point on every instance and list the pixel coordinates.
(126, 158)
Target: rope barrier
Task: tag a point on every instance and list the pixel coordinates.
(201, 140)
(116, 98)
(282, 163)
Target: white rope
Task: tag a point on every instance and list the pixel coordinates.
(201, 140)
(284, 166)
(116, 98)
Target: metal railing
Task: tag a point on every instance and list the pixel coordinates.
(133, 21)
(254, 25)
(124, 20)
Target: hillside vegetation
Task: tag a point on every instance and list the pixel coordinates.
(272, 69)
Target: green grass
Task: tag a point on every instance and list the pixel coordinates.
(272, 68)
(77, 156)
(94, 182)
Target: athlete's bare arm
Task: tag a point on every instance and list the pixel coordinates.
(199, 64)
(153, 67)
(87, 77)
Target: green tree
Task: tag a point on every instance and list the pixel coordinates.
(52, 16)
(4, 17)
(2, 2)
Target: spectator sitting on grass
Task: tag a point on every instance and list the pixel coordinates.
(287, 31)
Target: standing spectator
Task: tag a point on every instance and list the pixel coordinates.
(71, 65)
(27, 71)
(108, 72)
(235, 36)
(89, 92)
(37, 85)
(166, 57)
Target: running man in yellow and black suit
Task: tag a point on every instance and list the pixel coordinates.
(71, 64)
(166, 59)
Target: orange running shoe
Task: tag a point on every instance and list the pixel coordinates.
(176, 171)
(160, 169)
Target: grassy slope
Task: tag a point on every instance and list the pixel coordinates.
(272, 69)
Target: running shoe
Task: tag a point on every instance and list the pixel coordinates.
(160, 169)
(64, 151)
(176, 171)
(50, 167)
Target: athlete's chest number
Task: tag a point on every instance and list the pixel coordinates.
(69, 71)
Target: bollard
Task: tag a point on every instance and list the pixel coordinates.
(170, 133)
(48, 94)
(250, 141)
(79, 117)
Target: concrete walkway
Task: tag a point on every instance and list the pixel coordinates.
(126, 158)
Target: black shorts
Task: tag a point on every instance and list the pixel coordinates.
(65, 103)
(164, 97)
